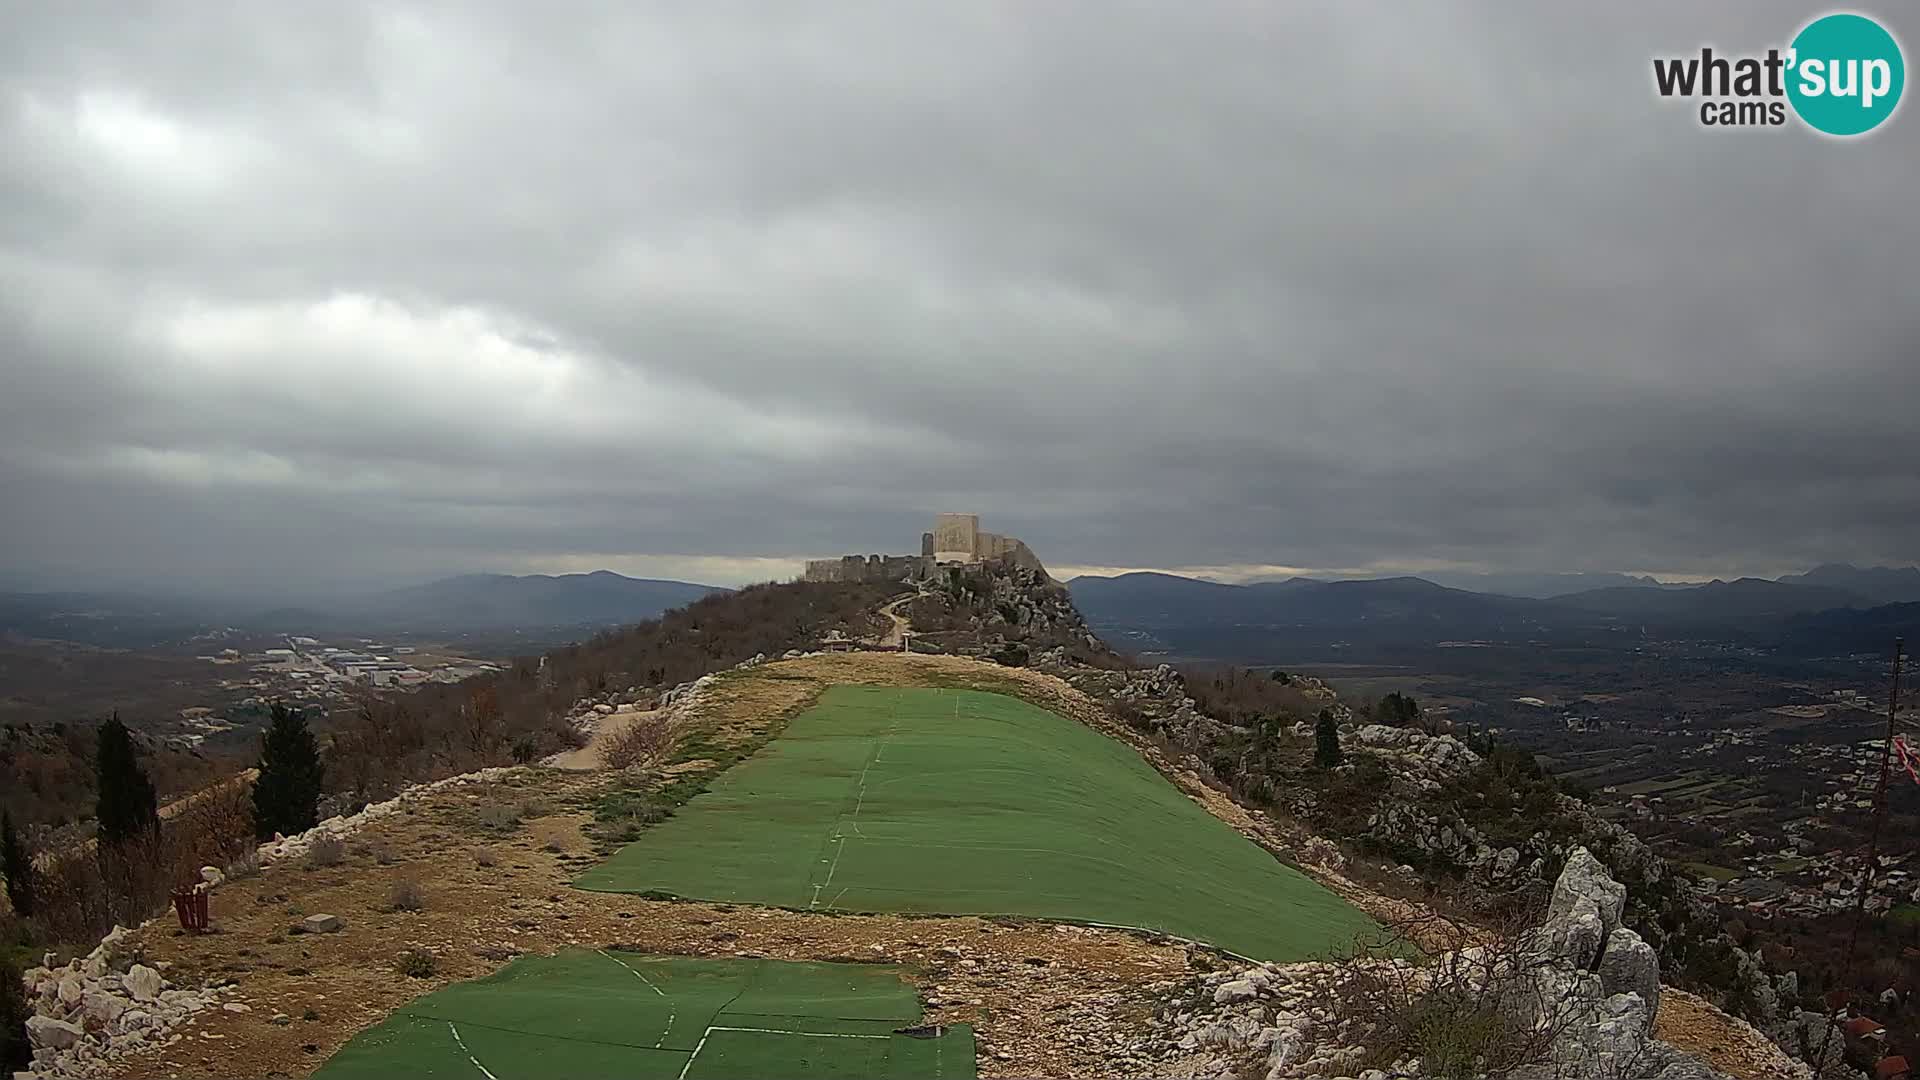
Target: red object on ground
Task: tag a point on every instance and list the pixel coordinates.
(190, 904)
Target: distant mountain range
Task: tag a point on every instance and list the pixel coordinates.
(1835, 600)
(1879, 584)
(1148, 599)
(477, 602)
(469, 604)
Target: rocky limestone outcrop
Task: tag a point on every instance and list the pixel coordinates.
(1587, 984)
(99, 1008)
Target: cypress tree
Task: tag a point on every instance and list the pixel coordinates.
(1326, 740)
(126, 804)
(16, 1053)
(17, 864)
(286, 796)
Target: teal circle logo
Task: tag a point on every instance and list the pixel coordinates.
(1846, 74)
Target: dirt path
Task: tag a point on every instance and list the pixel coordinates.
(897, 632)
(610, 727)
(1727, 1044)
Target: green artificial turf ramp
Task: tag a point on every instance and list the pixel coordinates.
(611, 1014)
(967, 803)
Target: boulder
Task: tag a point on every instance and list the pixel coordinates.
(322, 924)
(143, 982)
(44, 1032)
(212, 876)
(1587, 877)
(1575, 939)
(102, 1007)
(1236, 990)
(1628, 965)
(1505, 862)
(71, 991)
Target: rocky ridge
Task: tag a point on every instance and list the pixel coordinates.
(1581, 977)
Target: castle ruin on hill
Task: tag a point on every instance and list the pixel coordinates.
(956, 540)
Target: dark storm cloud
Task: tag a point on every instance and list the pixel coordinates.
(335, 292)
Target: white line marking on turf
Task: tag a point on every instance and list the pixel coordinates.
(860, 798)
(807, 1034)
(764, 1031)
(672, 1013)
(469, 1053)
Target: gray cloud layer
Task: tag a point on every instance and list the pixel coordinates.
(330, 291)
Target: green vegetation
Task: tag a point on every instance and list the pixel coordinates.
(1326, 740)
(416, 964)
(127, 806)
(1397, 710)
(1708, 870)
(15, 1052)
(17, 865)
(620, 1014)
(286, 796)
(962, 802)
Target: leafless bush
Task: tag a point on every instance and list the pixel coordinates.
(1489, 1009)
(244, 865)
(484, 857)
(84, 892)
(407, 895)
(644, 741)
(325, 851)
(499, 818)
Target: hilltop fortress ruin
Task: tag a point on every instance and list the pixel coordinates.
(956, 540)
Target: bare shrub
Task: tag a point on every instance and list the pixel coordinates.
(244, 865)
(499, 818)
(326, 851)
(383, 855)
(1489, 1010)
(644, 742)
(84, 892)
(407, 895)
(484, 857)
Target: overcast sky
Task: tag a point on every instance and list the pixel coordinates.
(319, 293)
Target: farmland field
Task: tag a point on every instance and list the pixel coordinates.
(969, 803)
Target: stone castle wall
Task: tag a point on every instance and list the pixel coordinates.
(956, 538)
(866, 568)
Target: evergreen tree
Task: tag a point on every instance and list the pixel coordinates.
(1326, 740)
(1397, 710)
(286, 796)
(17, 865)
(126, 805)
(16, 1054)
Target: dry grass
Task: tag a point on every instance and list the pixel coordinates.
(407, 895)
(326, 851)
